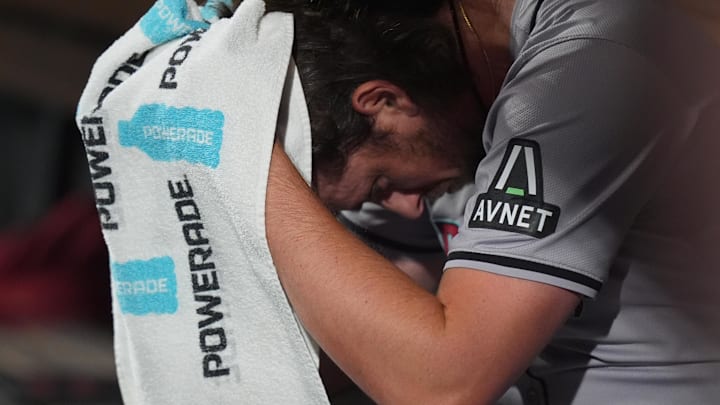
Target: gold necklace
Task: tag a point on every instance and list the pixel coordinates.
(482, 46)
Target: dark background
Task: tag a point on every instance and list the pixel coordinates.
(55, 323)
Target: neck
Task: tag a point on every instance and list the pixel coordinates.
(484, 33)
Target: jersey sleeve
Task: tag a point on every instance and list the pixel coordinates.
(574, 144)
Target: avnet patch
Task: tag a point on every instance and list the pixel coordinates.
(146, 287)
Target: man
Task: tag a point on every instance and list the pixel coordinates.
(590, 240)
(421, 113)
(379, 90)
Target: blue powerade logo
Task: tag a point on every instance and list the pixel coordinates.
(167, 20)
(173, 134)
(210, 10)
(146, 287)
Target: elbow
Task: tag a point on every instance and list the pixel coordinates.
(458, 396)
(442, 386)
(469, 395)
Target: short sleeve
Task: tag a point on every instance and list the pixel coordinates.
(574, 143)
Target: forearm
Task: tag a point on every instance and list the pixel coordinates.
(377, 288)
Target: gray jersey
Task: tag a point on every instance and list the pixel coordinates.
(600, 178)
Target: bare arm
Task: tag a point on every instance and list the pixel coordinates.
(400, 343)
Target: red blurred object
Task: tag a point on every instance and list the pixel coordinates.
(56, 270)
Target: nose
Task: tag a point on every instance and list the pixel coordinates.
(409, 205)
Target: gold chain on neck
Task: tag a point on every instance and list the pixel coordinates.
(482, 46)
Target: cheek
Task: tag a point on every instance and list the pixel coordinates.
(328, 191)
(343, 193)
(414, 168)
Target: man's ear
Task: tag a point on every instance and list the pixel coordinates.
(372, 97)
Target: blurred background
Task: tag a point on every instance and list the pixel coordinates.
(55, 322)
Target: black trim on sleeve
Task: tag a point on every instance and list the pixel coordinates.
(528, 265)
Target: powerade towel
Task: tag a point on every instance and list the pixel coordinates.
(178, 119)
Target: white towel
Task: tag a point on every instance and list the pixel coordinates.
(178, 120)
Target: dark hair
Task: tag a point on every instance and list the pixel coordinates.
(344, 43)
(360, 9)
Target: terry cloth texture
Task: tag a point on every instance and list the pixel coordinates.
(178, 119)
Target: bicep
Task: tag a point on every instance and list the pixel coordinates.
(499, 324)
